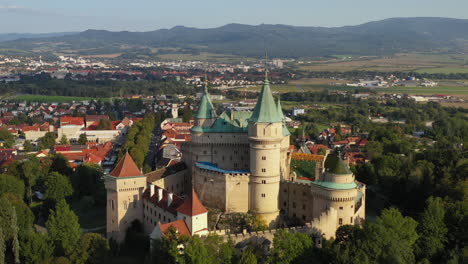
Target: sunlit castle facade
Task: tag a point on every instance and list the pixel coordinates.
(237, 162)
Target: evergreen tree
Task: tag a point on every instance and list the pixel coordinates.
(83, 139)
(92, 249)
(64, 229)
(432, 229)
(196, 253)
(35, 248)
(15, 242)
(64, 140)
(2, 246)
(247, 257)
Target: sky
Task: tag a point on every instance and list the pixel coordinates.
(45, 16)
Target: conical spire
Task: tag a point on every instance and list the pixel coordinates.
(280, 109)
(205, 108)
(266, 110)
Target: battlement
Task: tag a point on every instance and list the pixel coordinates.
(325, 225)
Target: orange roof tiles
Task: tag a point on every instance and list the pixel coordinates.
(126, 168)
(71, 120)
(192, 206)
(180, 225)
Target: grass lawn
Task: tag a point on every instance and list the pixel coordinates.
(51, 99)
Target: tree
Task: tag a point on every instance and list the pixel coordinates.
(64, 229)
(92, 249)
(27, 146)
(374, 149)
(432, 229)
(196, 253)
(47, 141)
(36, 248)
(57, 187)
(60, 164)
(29, 173)
(222, 253)
(11, 184)
(87, 181)
(25, 217)
(64, 140)
(104, 124)
(2, 247)
(289, 246)
(7, 138)
(247, 257)
(83, 139)
(9, 226)
(166, 249)
(390, 239)
(187, 115)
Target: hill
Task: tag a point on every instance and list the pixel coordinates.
(374, 38)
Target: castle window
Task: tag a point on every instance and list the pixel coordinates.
(303, 193)
(303, 207)
(352, 206)
(235, 151)
(263, 158)
(263, 195)
(204, 152)
(264, 131)
(263, 170)
(215, 152)
(235, 165)
(223, 158)
(341, 207)
(340, 221)
(303, 217)
(284, 204)
(351, 219)
(294, 205)
(230, 157)
(125, 205)
(112, 205)
(263, 181)
(205, 179)
(285, 190)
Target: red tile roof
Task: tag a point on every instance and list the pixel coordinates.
(180, 225)
(192, 206)
(71, 120)
(126, 168)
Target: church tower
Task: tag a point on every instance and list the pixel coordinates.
(125, 186)
(265, 135)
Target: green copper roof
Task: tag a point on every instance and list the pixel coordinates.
(266, 110)
(336, 186)
(285, 131)
(205, 109)
(334, 164)
(280, 109)
(228, 122)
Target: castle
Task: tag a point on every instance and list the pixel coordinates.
(239, 161)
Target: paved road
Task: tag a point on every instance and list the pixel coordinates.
(153, 147)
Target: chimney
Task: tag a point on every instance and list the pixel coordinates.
(151, 190)
(169, 199)
(160, 194)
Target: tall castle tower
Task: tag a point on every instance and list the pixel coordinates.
(265, 135)
(125, 186)
(206, 114)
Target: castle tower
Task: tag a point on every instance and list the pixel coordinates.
(125, 186)
(337, 188)
(206, 114)
(265, 137)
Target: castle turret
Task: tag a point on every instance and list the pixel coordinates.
(265, 137)
(206, 114)
(124, 186)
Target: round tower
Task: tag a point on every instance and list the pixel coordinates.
(265, 136)
(337, 188)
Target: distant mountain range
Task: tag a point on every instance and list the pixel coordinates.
(374, 38)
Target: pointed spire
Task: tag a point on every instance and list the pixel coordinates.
(205, 108)
(280, 109)
(126, 168)
(266, 66)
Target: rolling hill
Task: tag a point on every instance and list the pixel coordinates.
(374, 38)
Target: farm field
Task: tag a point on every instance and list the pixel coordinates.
(419, 62)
